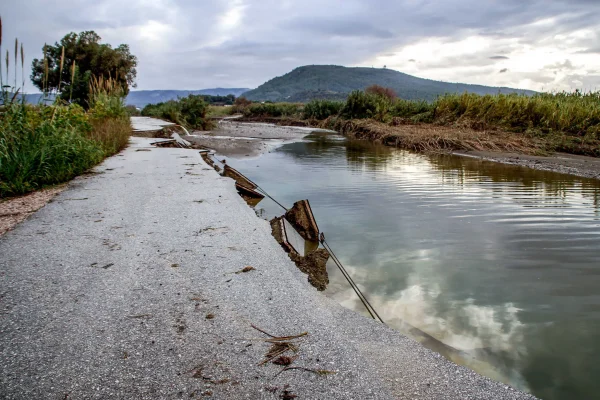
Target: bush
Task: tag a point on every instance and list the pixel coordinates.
(359, 105)
(240, 104)
(189, 112)
(377, 90)
(273, 110)
(133, 111)
(322, 109)
(193, 111)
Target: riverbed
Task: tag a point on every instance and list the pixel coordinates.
(495, 266)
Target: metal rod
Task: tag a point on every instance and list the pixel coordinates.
(337, 262)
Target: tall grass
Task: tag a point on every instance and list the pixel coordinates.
(255, 110)
(322, 109)
(576, 113)
(38, 150)
(44, 145)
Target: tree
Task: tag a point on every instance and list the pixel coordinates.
(89, 57)
(377, 90)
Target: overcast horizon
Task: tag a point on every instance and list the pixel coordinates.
(548, 45)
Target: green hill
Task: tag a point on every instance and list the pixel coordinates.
(335, 82)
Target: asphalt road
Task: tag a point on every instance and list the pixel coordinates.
(124, 287)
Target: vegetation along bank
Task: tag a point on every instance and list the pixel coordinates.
(540, 124)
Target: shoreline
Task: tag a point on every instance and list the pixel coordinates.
(570, 164)
(564, 163)
(128, 312)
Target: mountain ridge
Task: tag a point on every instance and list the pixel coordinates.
(336, 82)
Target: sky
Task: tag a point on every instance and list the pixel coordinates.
(548, 45)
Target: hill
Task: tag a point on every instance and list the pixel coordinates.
(335, 82)
(140, 98)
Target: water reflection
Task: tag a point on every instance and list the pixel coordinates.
(498, 262)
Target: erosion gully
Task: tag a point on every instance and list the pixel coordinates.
(496, 267)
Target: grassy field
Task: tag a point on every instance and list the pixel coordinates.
(538, 124)
(219, 111)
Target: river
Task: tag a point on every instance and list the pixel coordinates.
(499, 264)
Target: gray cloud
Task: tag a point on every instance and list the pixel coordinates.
(503, 70)
(186, 44)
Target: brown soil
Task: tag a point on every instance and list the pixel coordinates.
(314, 265)
(16, 209)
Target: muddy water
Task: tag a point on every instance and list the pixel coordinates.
(495, 266)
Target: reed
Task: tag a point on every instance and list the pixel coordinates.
(16, 58)
(23, 65)
(72, 81)
(62, 63)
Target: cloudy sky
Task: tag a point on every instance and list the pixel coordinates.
(194, 44)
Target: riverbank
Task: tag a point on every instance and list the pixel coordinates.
(126, 286)
(583, 166)
(495, 146)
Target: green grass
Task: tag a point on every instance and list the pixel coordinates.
(274, 110)
(47, 145)
(219, 111)
(574, 114)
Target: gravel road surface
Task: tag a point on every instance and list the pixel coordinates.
(124, 287)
